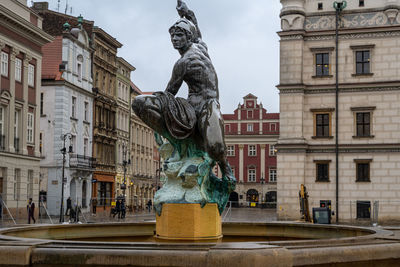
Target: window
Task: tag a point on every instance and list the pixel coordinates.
(79, 71)
(85, 147)
(227, 128)
(322, 171)
(249, 114)
(16, 133)
(73, 113)
(363, 62)
(18, 70)
(363, 209)
(41, 143)
(322, 123)
(272, 150)
(272, 175)
(363, 121)
(320, 6)
(362, 170)
(252, 150)
(31, 75)
(322, 64)
(86, 115)
(231, 151)
(30, 134)
(29, 188)
(17, 184)
(361, 3)
(41, 103)
(4, 64)
(249, 127)
(272, 127)
(251, 174)
(73, 143)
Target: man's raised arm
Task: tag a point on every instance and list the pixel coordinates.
(185, 12)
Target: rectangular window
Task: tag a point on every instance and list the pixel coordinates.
(17, 184)
(322, 125)
(272, 127)
(249, 114)
(29, 188)
(18, 70)
(363, 62)
(85, 147)
(363, 209)
(361, 3)
(30, 128)
(1, 121)
(272, 175)
(16, 131)
(4, 64)
(230, 151)
(73, 111)
(272, 150)
(41, 144)
(363, 120)
(363, 170)
(322, 170)
(320, 6)
(31, 75)
(73, 144)
(86, 111)
(252, 150)
(227, 128)
(249, 127)
(252, 175)
(322, 64)
(41, 104)
(79, 71)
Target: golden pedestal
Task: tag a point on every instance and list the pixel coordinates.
(189, 222)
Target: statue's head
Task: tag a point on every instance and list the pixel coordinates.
(182, 33)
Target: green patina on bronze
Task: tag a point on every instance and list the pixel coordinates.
(189, 176)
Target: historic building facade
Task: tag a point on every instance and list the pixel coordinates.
(66, 104)
(105, 108)
(250, 136)
(353, 163)
(145, 165)
(21, 41)
(123, 125)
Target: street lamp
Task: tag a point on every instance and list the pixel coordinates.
(124, 164)
(262, 181)
(64, 151)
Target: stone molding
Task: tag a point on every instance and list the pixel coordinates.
(342, 90)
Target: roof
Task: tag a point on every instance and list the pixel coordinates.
(126, 63)
(106, 37)
(135, 88)
(51, 60)
(250, 96)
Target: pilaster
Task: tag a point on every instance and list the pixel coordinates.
(24, 115)
(36, 125)
(239, 119)
(262, 161)
(241, 164)
(11, 114)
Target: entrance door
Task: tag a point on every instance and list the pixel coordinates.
(252, 197)
(234, 199)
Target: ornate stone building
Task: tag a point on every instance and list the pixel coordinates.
(250, 136)
(144, 160)
(123, 124)
(21, 41)
(66, 104)
(105, 108)
(343, 145)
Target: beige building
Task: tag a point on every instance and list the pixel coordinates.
(144, 161)
(21, 40)
(123, 125)
(367, 110)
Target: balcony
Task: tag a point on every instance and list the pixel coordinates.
(81, 162)
(2, 142)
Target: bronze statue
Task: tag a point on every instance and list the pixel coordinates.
(197, 119)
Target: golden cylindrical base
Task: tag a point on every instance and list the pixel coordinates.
(189, 222)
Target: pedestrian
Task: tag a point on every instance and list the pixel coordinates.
(69, 207)
(123, 209)
(94, 205)
(31, 211)
(149, 205)
(118, 209)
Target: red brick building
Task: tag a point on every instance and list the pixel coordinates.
(250, 136)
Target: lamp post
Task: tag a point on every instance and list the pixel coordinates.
(124, 164)
(64, 152)
(262, 181)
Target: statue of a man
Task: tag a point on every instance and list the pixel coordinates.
(198, 116)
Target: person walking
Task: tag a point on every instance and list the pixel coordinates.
(31, 211)
(69, 208)
(149, 205)
(118, 209)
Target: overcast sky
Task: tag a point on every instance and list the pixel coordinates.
(240, 34)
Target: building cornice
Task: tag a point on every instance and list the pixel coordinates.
(343, 148)
(68, 84)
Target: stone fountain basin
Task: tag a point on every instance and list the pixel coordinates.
(243, 244)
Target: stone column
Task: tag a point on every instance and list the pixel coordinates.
(2, 45)
(36, 124)
(241, 166)
(11, 114)
(24, 114)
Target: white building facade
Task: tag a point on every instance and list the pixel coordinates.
(67, 101)
(366, 139)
